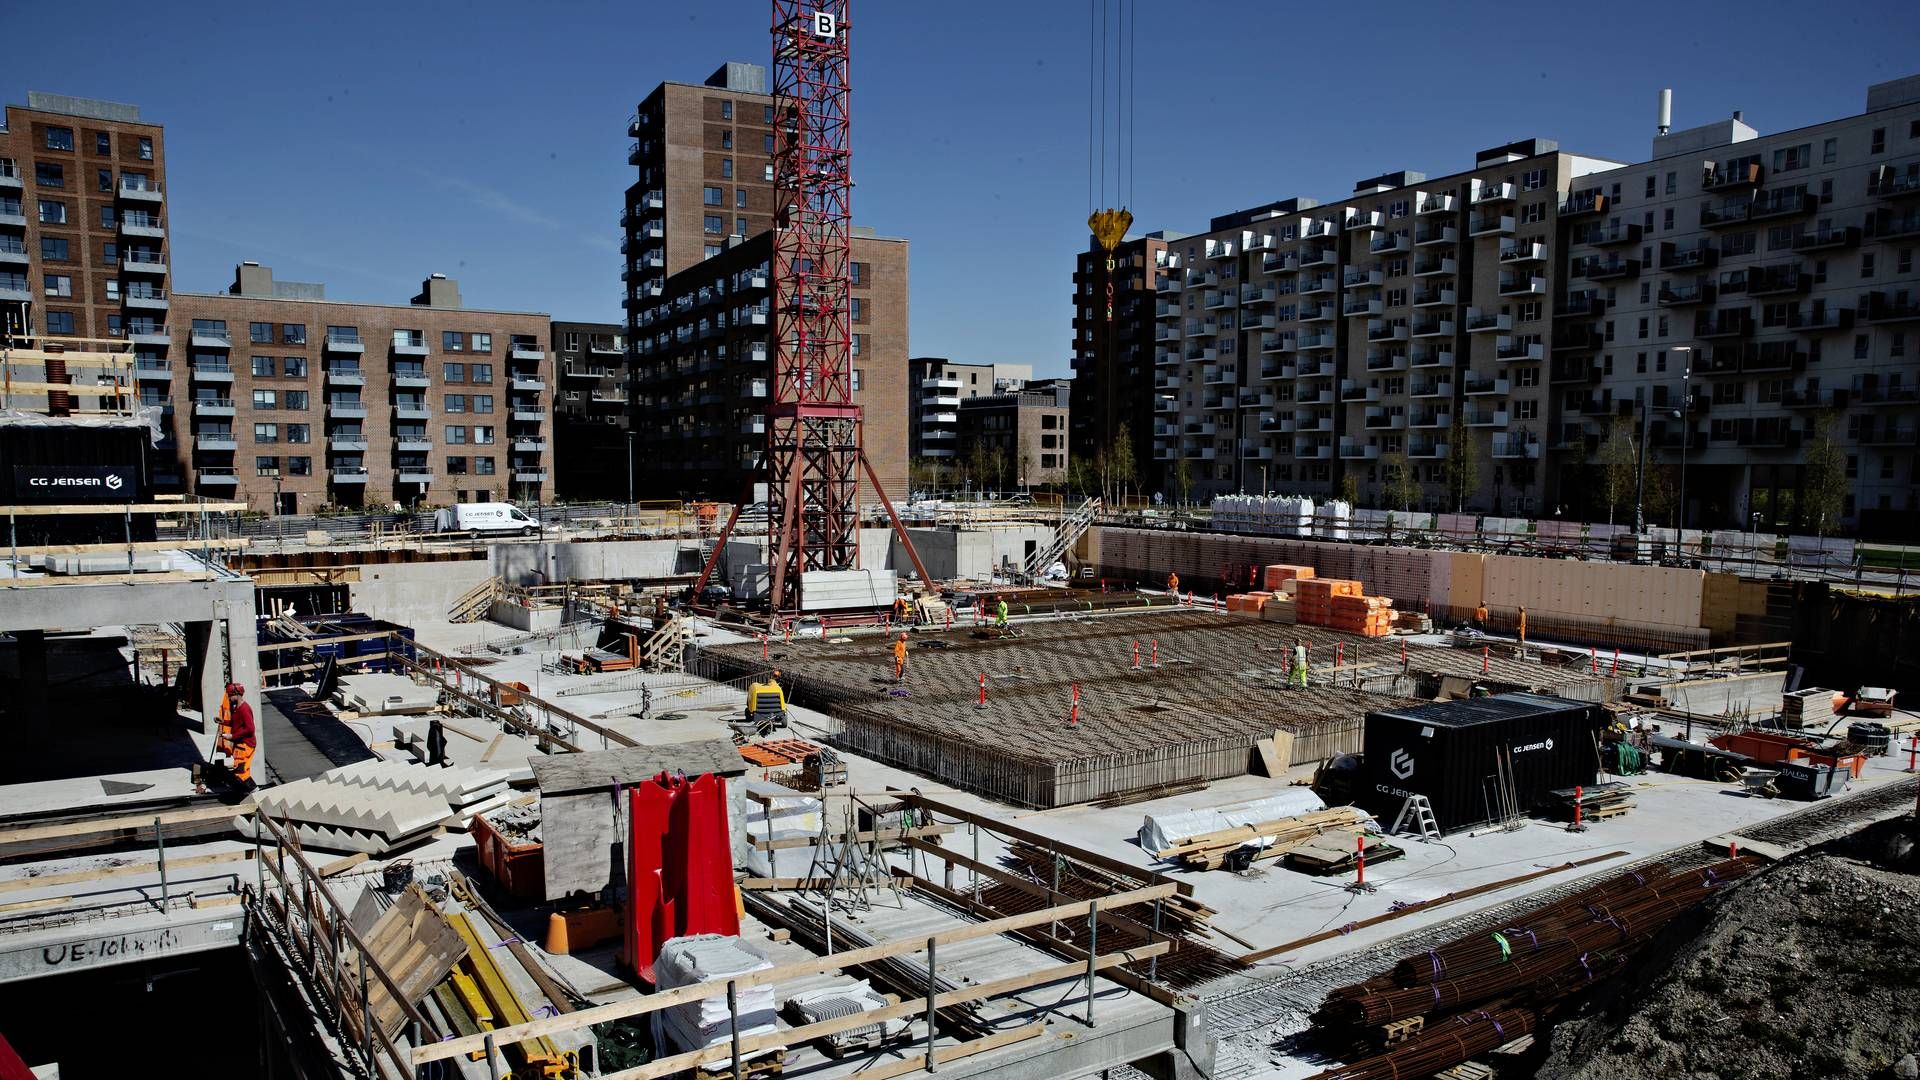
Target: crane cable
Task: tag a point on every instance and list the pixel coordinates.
(1112, 67)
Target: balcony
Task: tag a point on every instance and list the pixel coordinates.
(1380, 418)
(1308, 422)
(347, 440)
(1276, 262)
(410, 441)
(1363, 278)
(1699, 257)
(1518, 252)
(1727, 323)
(1726, 214)
(1318, 313)
(1487, 418)
(1321, 396)
(1734, 175)
(1254, 450)
(10, 177)
(1256, 399)
(1485, 192)
(1380, 330)
(344, 375)
(139, 189)
(1389, 244)
(1886, 182)
(525, 413)
(1519, 350)
(1890, 435)
(14, 252)
(413, 474)
(1361, 306)
(349, 474)
(531, 384)
(1358, 451)
(1200, 427)
(1254, 293)
(1387, 361)
(148, 334)
(1608, 270)
(1276, 343)
(1485, 386)
(218, 477)
(1431, 388)
(1579, 369)
(607, 397)
(1490, 225)
(1884, 226)
(409, 344)
(1775, 356)
(210, 406)
(1423, 448)
(1436, 202)
(1579, 337)
(1434, 298)
(1202, 279)
(1782, 203)
(1428, 328)
(1579, 305)
(213, 373)
(1515, 445)
(1312, 450)
(1613, 235)
(1322, 340)
(1484, 322)
(1877, 394)
(1815, 399)
(1358, 391)
(1890, 308)
(1430, 235)
(1522, 285)
(147, 225)
(145, 300)
(1276, 425)
(1426, 356)
(1218, 249)
(1200, 453)
(1219, 376)
(1167, 331)
(409, 377)
(1778, 280)
(1263, 321)
(1318, 257)
(1164, 404)
(1313, 286)
(135, 261)
(158, 370)
(1700, 292)
(1430, 419)
(1166, 283)
(1430, 267)
(216, 440)
(348, 408)
(1825, 239)
(210, 338)
(411, 409)
(1582, 203)
(1215, 299)
(1365, 220)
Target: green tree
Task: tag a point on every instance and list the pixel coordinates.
(1462, 468)
(1399, 485)
(1182, 479)
(1349, 489)
(1125, 471)
(1618, 459)
(1823, 479)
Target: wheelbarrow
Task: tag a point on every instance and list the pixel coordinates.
(1760, 782)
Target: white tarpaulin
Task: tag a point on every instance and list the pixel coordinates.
(1165, 830)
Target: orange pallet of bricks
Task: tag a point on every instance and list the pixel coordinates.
(1280, 573)
(1369, 616)
(1314, 598)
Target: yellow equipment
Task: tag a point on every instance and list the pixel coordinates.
(766, 698)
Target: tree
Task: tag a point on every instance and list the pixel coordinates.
(1823, 480)
(1618, 461)
(1349, 489)
(1080, 474)
(978, 459)
(1400, 487)
(1121, 464)
(1182, 478)
(1463, 469)
(1026, 467)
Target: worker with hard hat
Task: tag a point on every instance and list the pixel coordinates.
(900, 659)
(1297, 678)
(1000, 614)
(902, 610)
(1523, 629)
(1173, 584)
(237, 737)
(1480, 617)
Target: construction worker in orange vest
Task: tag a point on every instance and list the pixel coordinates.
(1523, 629)
(900, 659)
(237, 738)
(1480, 617)
(1173, 584)
(902, 610)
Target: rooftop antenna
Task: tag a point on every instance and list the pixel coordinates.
(1666, 110)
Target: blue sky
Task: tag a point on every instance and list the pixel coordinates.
(365, 145)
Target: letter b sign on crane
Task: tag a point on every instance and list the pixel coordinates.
(825, 25)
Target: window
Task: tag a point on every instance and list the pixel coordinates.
(726, 168)
(483, 466)
(54, 248)
(1531, 180)
(53, 212)
(59, 138)
(1666, 220)
(1879, 141)
(1820, 271)
(102, 143)
(146, 148)
(451, 341)
(715, 223)
(59, 284)
(1866, 266)
(1903, 262)
(766, 114)
(266, 433)
(293, 334)
(266, 399)
(107, 217)
(856, 271)
(712, 195)
(262, 366)
(453, 372)
(739, 226)
(767, 173)
(857, 310)
(1526, 376)
(480, 343)
(266, 466)
(113, 326)
(1651, 183)
(483, 403)
(1640, 364)
(113, 289)
(1673, 182)
(480, 373)
(726, 110)
(59, 322)
(1898, 346)
(1859, 346)
(766, 143)
(483, 435)
(856, 379)
(456, 433)
(1660, 328)
(1646, 290)
(49, 174)
(726, 140)
(1532, 213)
(456, 466)
(1530, 311)
(104, 178)
(296, 367)
(1643, 329)
(456, 403)
(299, 466)
(260, 333)
(1789, 158)
(856, 341)
(299, 433)
(1526, 410)
(294, 400)
(708, 251)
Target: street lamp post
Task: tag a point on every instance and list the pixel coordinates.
(1686, 434)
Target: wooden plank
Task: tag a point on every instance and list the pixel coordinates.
(65, 509)
(829, 965)
(308, 643)
(74, 877)
(882, 835)
(231, 543)
(338, 866)
(125, 390)
(1001, 827)
(117, 577)
(131, 821)
(491, 747)
(291, 669)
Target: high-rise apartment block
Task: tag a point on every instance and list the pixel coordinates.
(277, 396)
(1114, 332)
(83, 237)
(590, 410)
(937, 387)
(699, 249)
(1486, 330)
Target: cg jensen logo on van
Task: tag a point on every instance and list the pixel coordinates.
(1401, 763)
(1544, 744)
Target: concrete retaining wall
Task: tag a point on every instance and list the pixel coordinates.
(411, 593)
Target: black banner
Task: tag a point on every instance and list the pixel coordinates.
(75, 483)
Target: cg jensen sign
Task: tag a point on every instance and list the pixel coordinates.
(73, 483)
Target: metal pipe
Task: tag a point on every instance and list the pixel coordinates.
(933, 984)
(160, 841)
(493, 1066)
(1153, 962)
(1093, 949)
(733, 1024)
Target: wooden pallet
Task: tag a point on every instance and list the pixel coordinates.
(1401, 1030)
(777, 752)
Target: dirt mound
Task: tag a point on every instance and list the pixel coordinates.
(1807, 970)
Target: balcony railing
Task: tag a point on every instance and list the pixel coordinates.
(1718, 177)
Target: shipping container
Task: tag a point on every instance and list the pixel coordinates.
(57, 461)
(1455, 752)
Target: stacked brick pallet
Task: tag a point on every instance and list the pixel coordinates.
(1342, 604)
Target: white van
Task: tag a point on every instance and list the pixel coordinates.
(490, 517)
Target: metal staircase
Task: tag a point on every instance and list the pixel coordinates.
(1072, 528)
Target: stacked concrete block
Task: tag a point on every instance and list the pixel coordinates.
(461, 786)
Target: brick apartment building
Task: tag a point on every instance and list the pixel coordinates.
(698, 242)
(1509, 313)
(1112, 357)
(1023, 429)
(283, 398)
(590, 410)
(83, 238)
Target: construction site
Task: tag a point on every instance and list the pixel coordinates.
(1033, 789)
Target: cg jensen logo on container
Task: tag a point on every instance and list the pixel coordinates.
(1544, 744)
